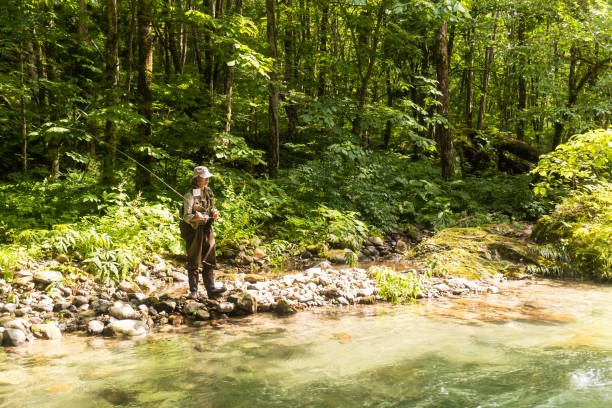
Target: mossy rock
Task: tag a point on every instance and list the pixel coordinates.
(254, 278)
(476, 252)
(335, 255)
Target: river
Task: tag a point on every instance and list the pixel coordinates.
(535, 344)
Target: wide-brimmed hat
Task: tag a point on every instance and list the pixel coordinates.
(202, 171)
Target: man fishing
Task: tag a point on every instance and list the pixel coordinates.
(196, 227)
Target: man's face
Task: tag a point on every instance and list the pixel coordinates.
(202, 182)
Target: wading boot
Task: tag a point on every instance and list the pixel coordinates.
(192, 276)
(208, 276)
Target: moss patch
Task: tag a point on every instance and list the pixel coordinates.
(477, 252)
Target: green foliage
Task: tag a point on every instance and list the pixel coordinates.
(398, 287)
(577, 234)
(231, 149)
(111, 265)
(388, 190)
(110, 246)
(575, 166)
(11, 258)
(324, 226)
(580, 229)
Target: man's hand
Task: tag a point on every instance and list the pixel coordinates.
(199, 217)
(215, 215)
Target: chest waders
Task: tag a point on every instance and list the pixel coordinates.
(201, 246)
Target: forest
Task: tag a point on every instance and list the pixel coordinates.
(326, 123)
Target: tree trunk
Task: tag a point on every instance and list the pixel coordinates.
(322, 82)
(145, 79)
(366, 43)
(177, 60)
(443, 136)
(53, 146)
(229, 78)
(290, 76)
(209, 63)
(486, 76)
(574, 86)
(129, 65)
(468, 76)
(22, 111)
(522, 82)
(388, 125)
(273, 118)
(112, 83)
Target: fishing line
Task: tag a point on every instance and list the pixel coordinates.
(138, 163)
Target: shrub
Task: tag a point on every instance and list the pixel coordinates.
(580, 228)
(576, 165)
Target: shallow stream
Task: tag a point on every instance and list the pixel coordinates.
(542, 344)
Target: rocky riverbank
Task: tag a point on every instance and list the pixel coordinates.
(44, 304)
(47, 300)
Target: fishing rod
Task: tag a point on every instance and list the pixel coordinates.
(138, 163)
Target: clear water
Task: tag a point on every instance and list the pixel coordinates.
(541, 345)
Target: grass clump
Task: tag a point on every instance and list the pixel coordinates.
(398, 287)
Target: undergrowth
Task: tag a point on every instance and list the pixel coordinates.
(577, 236)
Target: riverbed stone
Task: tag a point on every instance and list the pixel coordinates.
(47, 277)
(143, 282)
(95, 327)
(247, 303)
(191, 307)
(283, 306)
(126, 327)
(254, 278)
(122, 311)
(23, 279)
(80, 300)
(9, 308)
(202, 314)
(167, 306)
(127, 287)
(401, 246)
(225, 307)
(13, 337)
(178, 276)
(19, 324)
(48, 331)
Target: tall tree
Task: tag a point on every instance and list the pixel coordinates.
(486, 75)
(274, 96)
(145, 81)
(443, 134)
(366, 39)
(112, 84)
